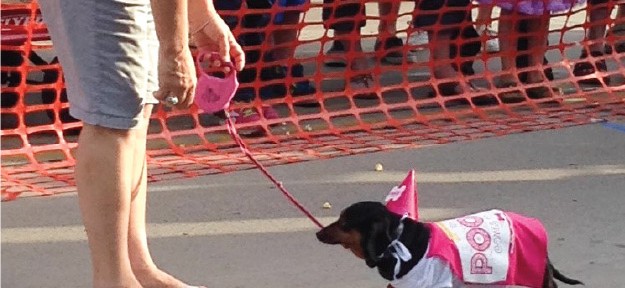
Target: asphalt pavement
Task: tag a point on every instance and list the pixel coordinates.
(236, 230)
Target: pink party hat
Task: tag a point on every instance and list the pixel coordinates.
(213, 94)
(403, 199)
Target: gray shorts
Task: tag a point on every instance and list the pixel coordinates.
(108, 51)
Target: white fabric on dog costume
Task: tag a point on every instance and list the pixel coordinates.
(428, 273)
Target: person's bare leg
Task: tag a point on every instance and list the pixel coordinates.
(508, 36)
(285, 36)
(484, 12)
(141, 261)
(103, 180)
(596, 32)
(620, 12)
(538, 29)
(441, 42)
(389, 11)
(537, 41)
(353, 49)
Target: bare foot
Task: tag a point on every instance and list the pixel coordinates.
(156, 278)
(133, 283)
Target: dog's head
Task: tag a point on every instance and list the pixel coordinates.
(365, 228)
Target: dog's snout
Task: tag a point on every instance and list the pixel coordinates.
(323, 237)
(328, 235)
(320, 235)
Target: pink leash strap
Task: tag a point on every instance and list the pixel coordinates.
(237, 139)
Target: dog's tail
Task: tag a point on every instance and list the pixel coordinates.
(559, 276)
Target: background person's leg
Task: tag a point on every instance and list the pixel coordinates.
(618, 30)
(509, 35)
(444, 21)
(286, 38)
(484, 15)
(389, 11)
(597, 17)
(387, 42)
(343, 18)
(483, 23)
(538, 30)
(347, 19)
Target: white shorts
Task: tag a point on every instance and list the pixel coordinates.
(108, 51)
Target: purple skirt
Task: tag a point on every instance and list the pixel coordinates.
(535, 7)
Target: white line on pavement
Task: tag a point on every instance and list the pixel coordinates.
(54, 234)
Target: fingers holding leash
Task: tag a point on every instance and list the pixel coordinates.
(177, 79)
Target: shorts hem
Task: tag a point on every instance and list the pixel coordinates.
(107, 121)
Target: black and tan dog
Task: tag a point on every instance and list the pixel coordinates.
(371, 232)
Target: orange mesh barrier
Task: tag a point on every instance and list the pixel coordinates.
(401, 105)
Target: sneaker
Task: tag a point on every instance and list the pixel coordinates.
(274, 90)
(492, 44)
(394, 56)
(301, 88)
(335, 56)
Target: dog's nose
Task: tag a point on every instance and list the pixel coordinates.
(320, 235)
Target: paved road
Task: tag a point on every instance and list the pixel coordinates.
(235, 230)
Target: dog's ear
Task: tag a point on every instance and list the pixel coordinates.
(376, 239)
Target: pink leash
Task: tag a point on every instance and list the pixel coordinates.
(233, 132)
(213, 94)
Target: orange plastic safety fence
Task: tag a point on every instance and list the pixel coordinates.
(295, 104)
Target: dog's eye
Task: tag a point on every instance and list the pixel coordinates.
(343, 226)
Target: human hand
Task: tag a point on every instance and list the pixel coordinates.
(216, 36)
(176, 77)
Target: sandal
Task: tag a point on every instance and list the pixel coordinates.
(363, 82)
(586, 68)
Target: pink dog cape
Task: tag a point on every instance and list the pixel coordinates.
(213, 94)
(493, 248)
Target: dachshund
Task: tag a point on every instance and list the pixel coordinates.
(402, 248)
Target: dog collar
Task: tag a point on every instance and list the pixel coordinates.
(397, 249)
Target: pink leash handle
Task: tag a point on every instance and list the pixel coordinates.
(214, 94)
